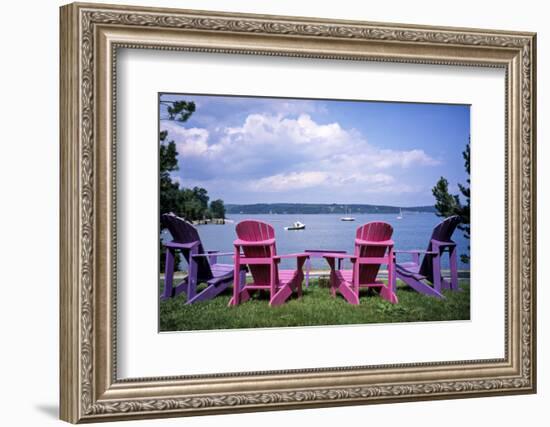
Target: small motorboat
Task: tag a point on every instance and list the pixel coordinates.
(296, 226)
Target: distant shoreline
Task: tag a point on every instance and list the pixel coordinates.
(321, 208)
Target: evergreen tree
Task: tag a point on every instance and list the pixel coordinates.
(168, 162)
(448, 204)
(465, 191)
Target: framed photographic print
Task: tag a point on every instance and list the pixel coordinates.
(266, 212)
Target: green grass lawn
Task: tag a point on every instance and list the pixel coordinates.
(316, 307)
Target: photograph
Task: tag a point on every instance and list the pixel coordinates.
(287, 212)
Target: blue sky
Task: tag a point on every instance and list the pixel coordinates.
(268, 150)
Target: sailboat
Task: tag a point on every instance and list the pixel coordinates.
(400, 216)
(347, 217)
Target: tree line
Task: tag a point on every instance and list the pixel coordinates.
(321, 208)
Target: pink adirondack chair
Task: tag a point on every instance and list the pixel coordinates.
(255, 248)
(373, 247)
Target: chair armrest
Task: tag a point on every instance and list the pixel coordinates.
(216, 253)
(297, 255)
(176, 245)
(414, 251)
(443, 244)
(337, 255)
(323, 251)
(240, 242)
(332, 257)
(374, 243)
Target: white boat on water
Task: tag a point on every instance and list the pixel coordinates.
(347, 217)
(400, 216)
(296, 226)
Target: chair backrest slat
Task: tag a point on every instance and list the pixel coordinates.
(374, 232)
(183, 231)
(258, 231)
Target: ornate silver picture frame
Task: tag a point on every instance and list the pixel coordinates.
(90, 388)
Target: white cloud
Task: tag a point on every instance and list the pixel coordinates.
(278, 153)
(261, 129)
(303, 139)
(389, 158)
(334, 180)
(289, 182)
(189, 141)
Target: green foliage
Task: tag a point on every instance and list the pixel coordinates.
(201, 195)
(217, 208)
(180, 110)
(169, 190)
(316, 307)
(448, 204)
(465, 209)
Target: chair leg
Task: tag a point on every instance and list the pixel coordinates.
(355, 279)
(237, 278)
(392, 283)
(239, 289)
(308, 268)
(242, 279)
(272, 280)
(332, 277)
(388, 292)
(436, 266)
(333, 284)
(299, 278)
(192, 275)
(281, 295)
(347, 290)
(168, 275)
(299, 286)
(454, 270)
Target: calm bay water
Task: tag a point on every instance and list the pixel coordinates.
(328, 232)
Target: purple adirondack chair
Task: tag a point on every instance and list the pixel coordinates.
(418, 272)
(256, 240)
(373, 247)
(203, 266)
